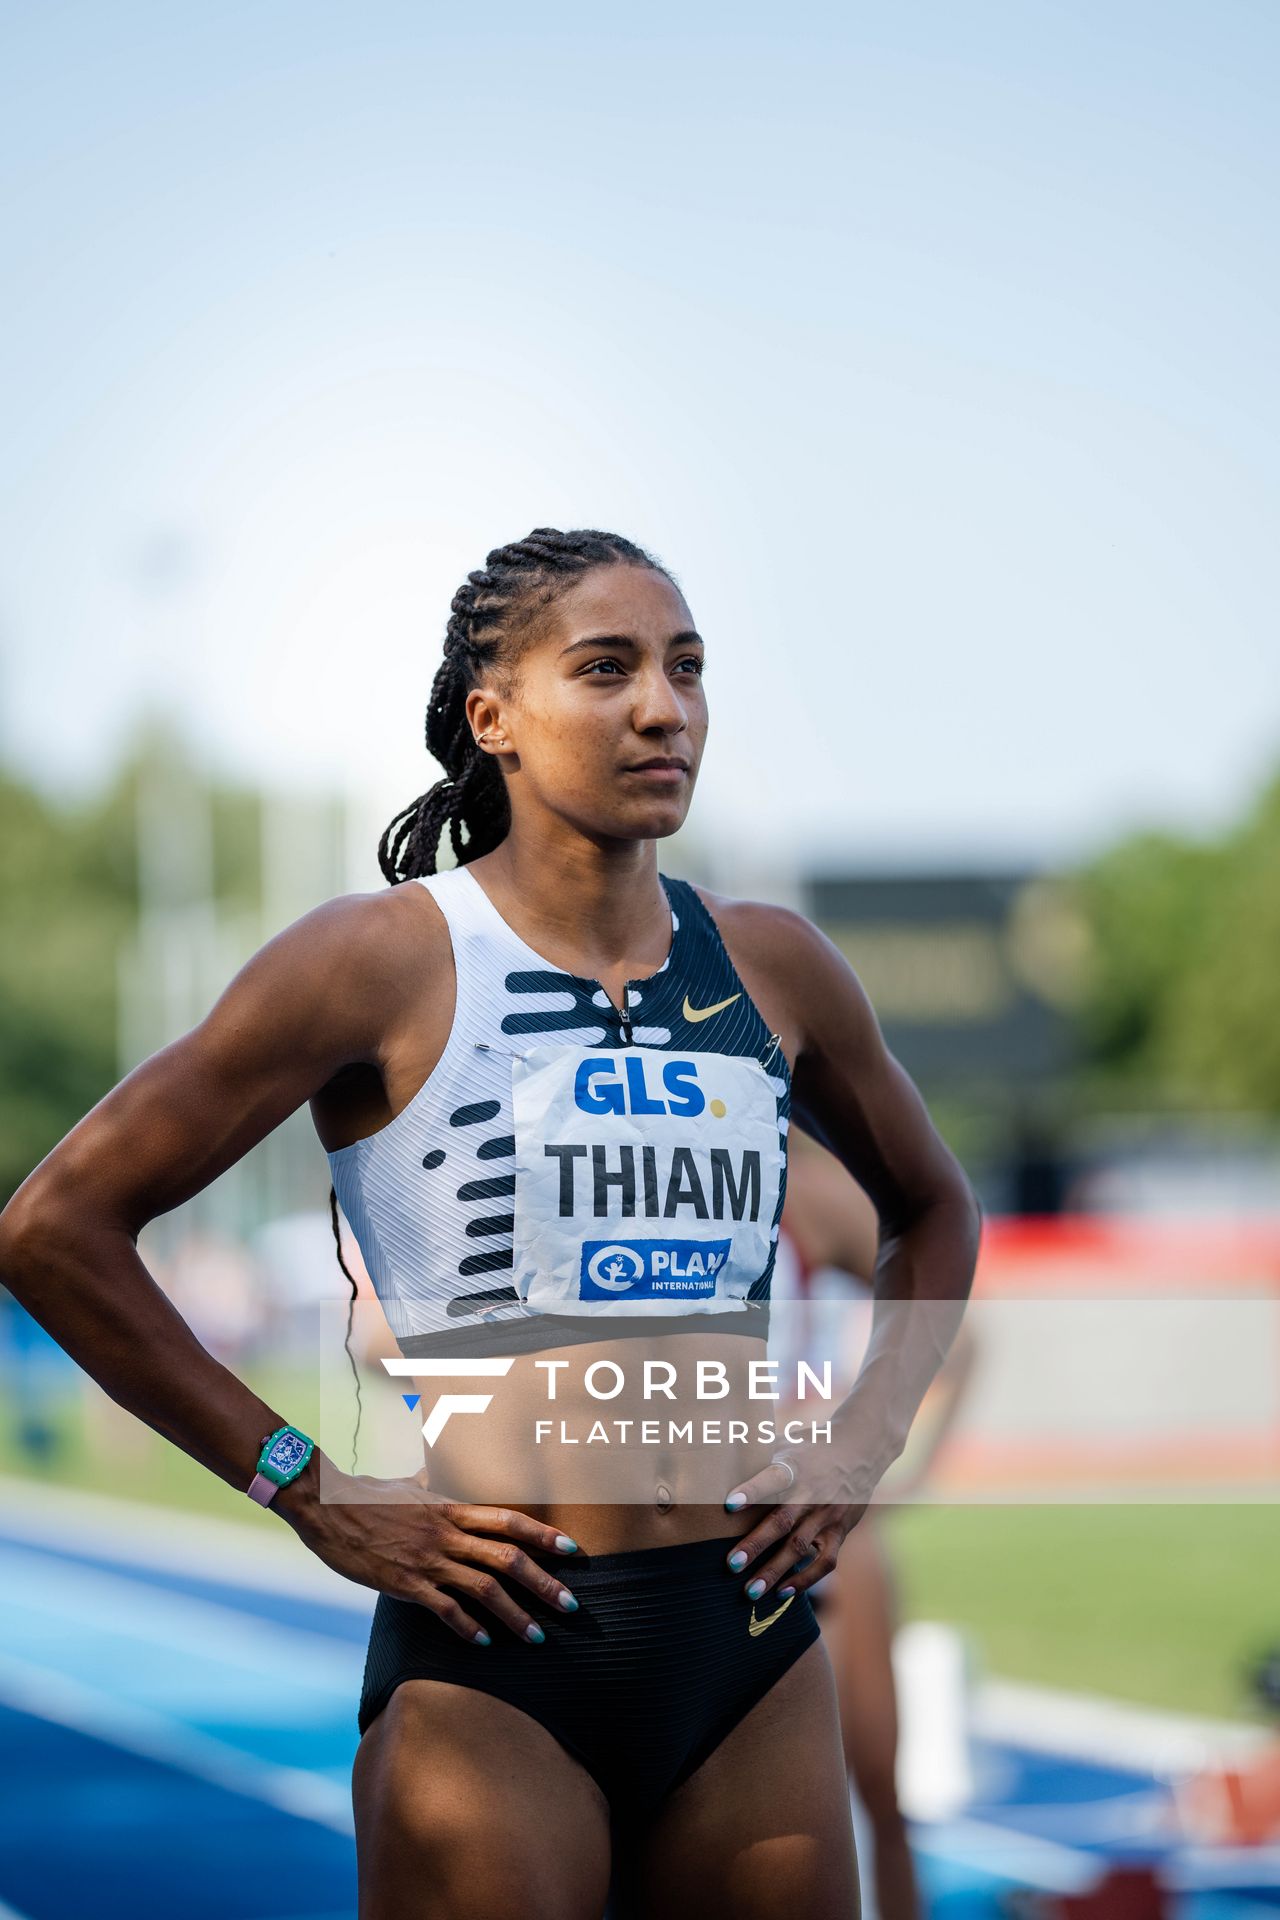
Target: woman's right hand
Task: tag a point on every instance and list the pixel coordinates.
(414, 1545)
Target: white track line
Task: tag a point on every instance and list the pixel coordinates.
(140, 1730)
(1019, 1858)
(1220, 1868)
(102, 1599)
(1083, 1726)
(268, 1556)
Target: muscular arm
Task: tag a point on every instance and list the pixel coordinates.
(320, 996)
(851, 1093)
(834, 1225)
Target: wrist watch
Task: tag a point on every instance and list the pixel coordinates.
(284, 1454)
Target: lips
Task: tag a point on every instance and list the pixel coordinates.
(665, 766)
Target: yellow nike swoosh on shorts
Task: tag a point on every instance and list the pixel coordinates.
(705, 1013)
(755, 1626)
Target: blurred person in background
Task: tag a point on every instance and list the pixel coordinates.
(826, 1257)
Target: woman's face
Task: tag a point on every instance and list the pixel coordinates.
(610, 679)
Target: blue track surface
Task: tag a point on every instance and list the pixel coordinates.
(173, 1744)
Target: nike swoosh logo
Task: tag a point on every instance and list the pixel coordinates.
(705, 1013)
(755, 1627)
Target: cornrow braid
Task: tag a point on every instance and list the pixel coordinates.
(491, 608)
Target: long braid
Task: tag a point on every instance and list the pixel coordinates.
(492, 608)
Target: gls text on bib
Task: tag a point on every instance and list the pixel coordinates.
(642, 1176)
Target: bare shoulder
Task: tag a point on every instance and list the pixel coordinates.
(790, 967)
(848, 1090)
(758, 925)
(330, 993)
(377, 943)
(339, 984)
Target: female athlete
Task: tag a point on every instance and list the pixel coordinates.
(554, 1086)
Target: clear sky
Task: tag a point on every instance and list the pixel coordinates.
(932, 345)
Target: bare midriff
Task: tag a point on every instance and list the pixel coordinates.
(636, 1488)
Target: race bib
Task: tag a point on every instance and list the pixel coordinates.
(645, 1180)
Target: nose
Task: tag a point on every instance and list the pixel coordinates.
(658, 707)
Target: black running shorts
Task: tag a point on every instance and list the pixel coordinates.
(662, 1659)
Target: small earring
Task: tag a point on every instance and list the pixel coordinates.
(497, 743)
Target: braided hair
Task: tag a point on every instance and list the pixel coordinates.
(493, 608)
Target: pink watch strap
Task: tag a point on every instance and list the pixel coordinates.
(262, 1490)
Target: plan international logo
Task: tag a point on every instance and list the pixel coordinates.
(651, 1269)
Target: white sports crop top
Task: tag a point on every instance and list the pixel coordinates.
(564, 1160)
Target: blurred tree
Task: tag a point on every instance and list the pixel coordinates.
(68, 888)
(1221, 1030)
(1182, 1006)
(69, 881)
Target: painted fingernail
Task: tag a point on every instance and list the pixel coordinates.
(535, 1634)
(735, 1502)
(755, 1588)
(565, 1544)
(785, 1593)
(568, 1601)
(737, 1559)
(482, 1638)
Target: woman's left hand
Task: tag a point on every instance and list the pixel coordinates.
(795, 1544)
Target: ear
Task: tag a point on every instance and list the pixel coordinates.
(484, 714)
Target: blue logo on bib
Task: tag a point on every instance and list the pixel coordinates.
(598, 1088)
(650, 1269)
